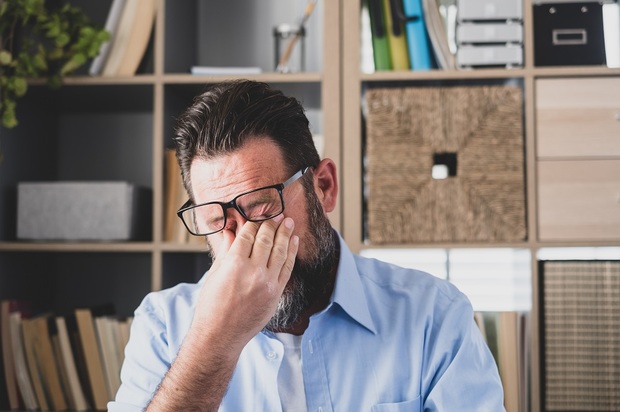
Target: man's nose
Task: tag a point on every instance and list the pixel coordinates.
(234, 220)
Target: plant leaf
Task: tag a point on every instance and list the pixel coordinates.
(21, 86)
(5, 58)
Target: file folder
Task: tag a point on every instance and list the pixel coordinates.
(396, 34)
(380, 46)
(417, 36)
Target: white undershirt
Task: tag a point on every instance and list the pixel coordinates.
(290, 376)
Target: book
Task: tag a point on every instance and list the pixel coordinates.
(4, 396)
(394, 25)
(21, 367)
(380, 45)
(417, 36)
(80, 360)
(106, 327)
(35, 370)
(92, 355)
(44, 353)
(111, 26)
(77, 397)
(509, 370)
(506, 334)
(8, 365)
(224, 70)
(62, 372)
(175, 196)
(131, 38)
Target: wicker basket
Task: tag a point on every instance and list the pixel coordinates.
(482, 126)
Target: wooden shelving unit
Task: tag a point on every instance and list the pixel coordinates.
(128, 121)
(354, 82)
(117, 128)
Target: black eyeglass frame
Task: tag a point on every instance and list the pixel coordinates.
(233, 203)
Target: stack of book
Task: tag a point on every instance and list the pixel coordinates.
(407, 35)
(130, 24)
(53, 362)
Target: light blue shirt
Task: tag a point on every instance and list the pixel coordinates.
(391, 339)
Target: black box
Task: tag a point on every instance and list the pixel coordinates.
(569, 34)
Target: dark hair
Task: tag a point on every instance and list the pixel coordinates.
(226, 116)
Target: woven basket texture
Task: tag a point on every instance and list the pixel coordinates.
(484, 201)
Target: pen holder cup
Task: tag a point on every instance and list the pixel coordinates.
(289, 48)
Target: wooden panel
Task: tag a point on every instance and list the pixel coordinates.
(578, 117)
(579, 200)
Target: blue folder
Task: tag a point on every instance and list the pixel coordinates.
(418, 41)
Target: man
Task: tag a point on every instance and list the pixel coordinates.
(287, 318)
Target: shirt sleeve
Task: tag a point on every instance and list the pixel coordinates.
(146, 360)
(462, 373)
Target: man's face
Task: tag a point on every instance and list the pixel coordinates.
(257, 164)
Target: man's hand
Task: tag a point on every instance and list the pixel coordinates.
(243, 287)
(236, 301)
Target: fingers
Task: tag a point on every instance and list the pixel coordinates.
(281, 244)
(270, 236)
(266, 243)
(287, 267)
(223, 247)
(244, 242)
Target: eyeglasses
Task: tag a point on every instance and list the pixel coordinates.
(255, 206)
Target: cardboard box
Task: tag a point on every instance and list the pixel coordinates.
(108, 211)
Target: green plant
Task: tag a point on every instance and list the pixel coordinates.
(41, 38)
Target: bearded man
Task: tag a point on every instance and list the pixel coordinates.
(287, 318)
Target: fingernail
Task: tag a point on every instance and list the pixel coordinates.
(288, 222)
(296, 240)
(278, 218)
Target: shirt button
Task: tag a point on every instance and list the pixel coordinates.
(272, 355)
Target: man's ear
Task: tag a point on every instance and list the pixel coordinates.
(326, 184)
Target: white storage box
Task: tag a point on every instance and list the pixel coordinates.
(490, 10)
(502, 55)
(489, 33)
(82, 211)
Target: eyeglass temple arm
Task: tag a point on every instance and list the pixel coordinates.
(295, 177)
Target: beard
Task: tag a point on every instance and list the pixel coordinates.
(311, 277)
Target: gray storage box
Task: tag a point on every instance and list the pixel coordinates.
(469, 10)
(471, 33)
(82, 211)
(509, 55)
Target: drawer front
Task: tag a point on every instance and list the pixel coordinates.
(579, 200)
(578, 117)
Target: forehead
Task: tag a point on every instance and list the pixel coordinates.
(257, 163)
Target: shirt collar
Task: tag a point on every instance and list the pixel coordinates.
(349, 292)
